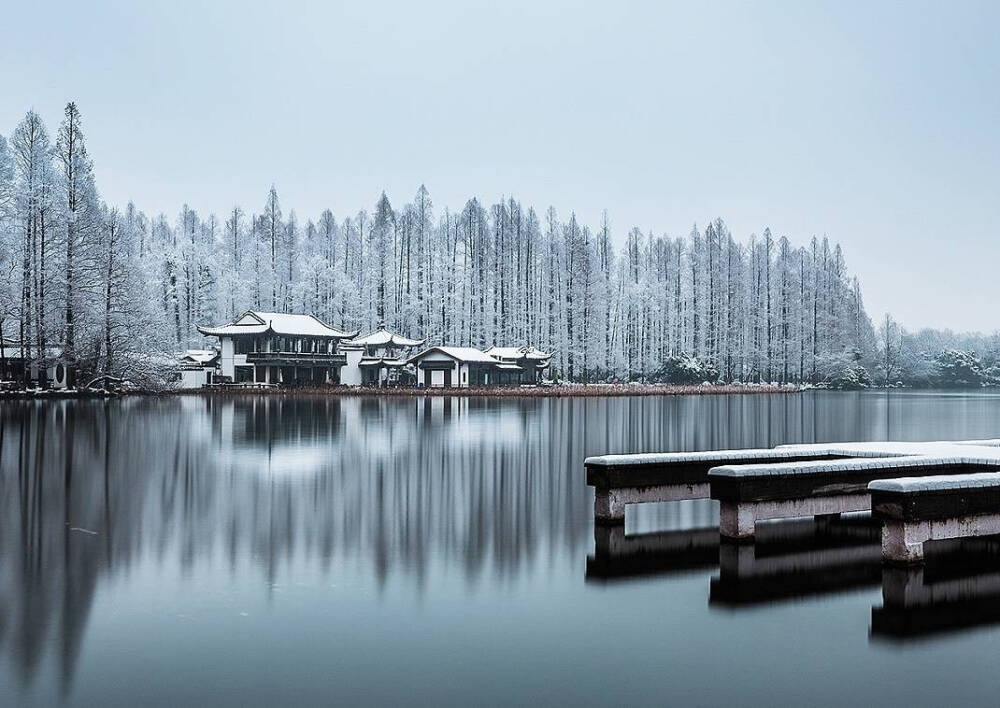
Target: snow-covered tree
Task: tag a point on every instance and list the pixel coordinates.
(612, 305)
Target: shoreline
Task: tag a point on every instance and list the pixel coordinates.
(563, 391)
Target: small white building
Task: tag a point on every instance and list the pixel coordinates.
(454, 367)
(378, 359)
(278, 347)
(198, 367)
(27, 366)
(520, 365)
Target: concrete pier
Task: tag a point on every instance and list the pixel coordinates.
(903, 542)
(820, 481)
(756, 492)
(914, 510)
(738, 520)
(620, 480)
(609, 504)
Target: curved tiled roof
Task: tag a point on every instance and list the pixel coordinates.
(382, 337)
(529, 353)
(256, 322)
(464, 354)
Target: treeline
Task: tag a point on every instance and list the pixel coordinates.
(109, 290)
(931, 358)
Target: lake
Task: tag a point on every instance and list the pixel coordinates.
(270, 550)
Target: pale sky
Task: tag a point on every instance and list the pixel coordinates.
(876, 124)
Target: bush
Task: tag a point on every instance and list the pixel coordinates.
(959, 369)
(849, 377)
(685, 369)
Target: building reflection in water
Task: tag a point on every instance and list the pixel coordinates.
(403, 488)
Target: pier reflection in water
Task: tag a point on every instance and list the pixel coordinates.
(957, 588)
(368, 549)
(799, 558)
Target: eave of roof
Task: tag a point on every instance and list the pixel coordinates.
(383, 337)
(279, 323)
(467, 355)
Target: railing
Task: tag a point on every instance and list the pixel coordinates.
(314, 356)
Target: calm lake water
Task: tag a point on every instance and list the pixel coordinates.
(276, 551)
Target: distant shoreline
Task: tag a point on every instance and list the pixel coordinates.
(562, 391)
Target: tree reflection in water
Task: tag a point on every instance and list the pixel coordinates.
(492, 489)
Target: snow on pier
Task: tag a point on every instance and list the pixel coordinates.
(620, 480)
(914, 510)
(939, 484)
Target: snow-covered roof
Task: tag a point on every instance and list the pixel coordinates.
(32, 351)
(469, 355)
(200, 356)
(506, 366)
(518, 353)
(383, 337)
(256, 322)
(382, 361)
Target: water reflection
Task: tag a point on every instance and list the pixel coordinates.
(620, 556)
(402, 491)
(958, 588)
(799, 558)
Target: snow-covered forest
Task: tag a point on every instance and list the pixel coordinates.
(109, 288)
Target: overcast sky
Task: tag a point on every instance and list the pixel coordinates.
(875, 124)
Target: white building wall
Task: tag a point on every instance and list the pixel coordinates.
(350, 373)
(194, 378)
(227, 365)
(437, 377)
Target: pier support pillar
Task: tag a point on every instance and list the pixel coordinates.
(737, 520)
(609, 506)
(903, 543)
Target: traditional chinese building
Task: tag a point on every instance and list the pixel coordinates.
(378, 359)
(520, 365)
(454, 367)
(276, 347)
(199, 367)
